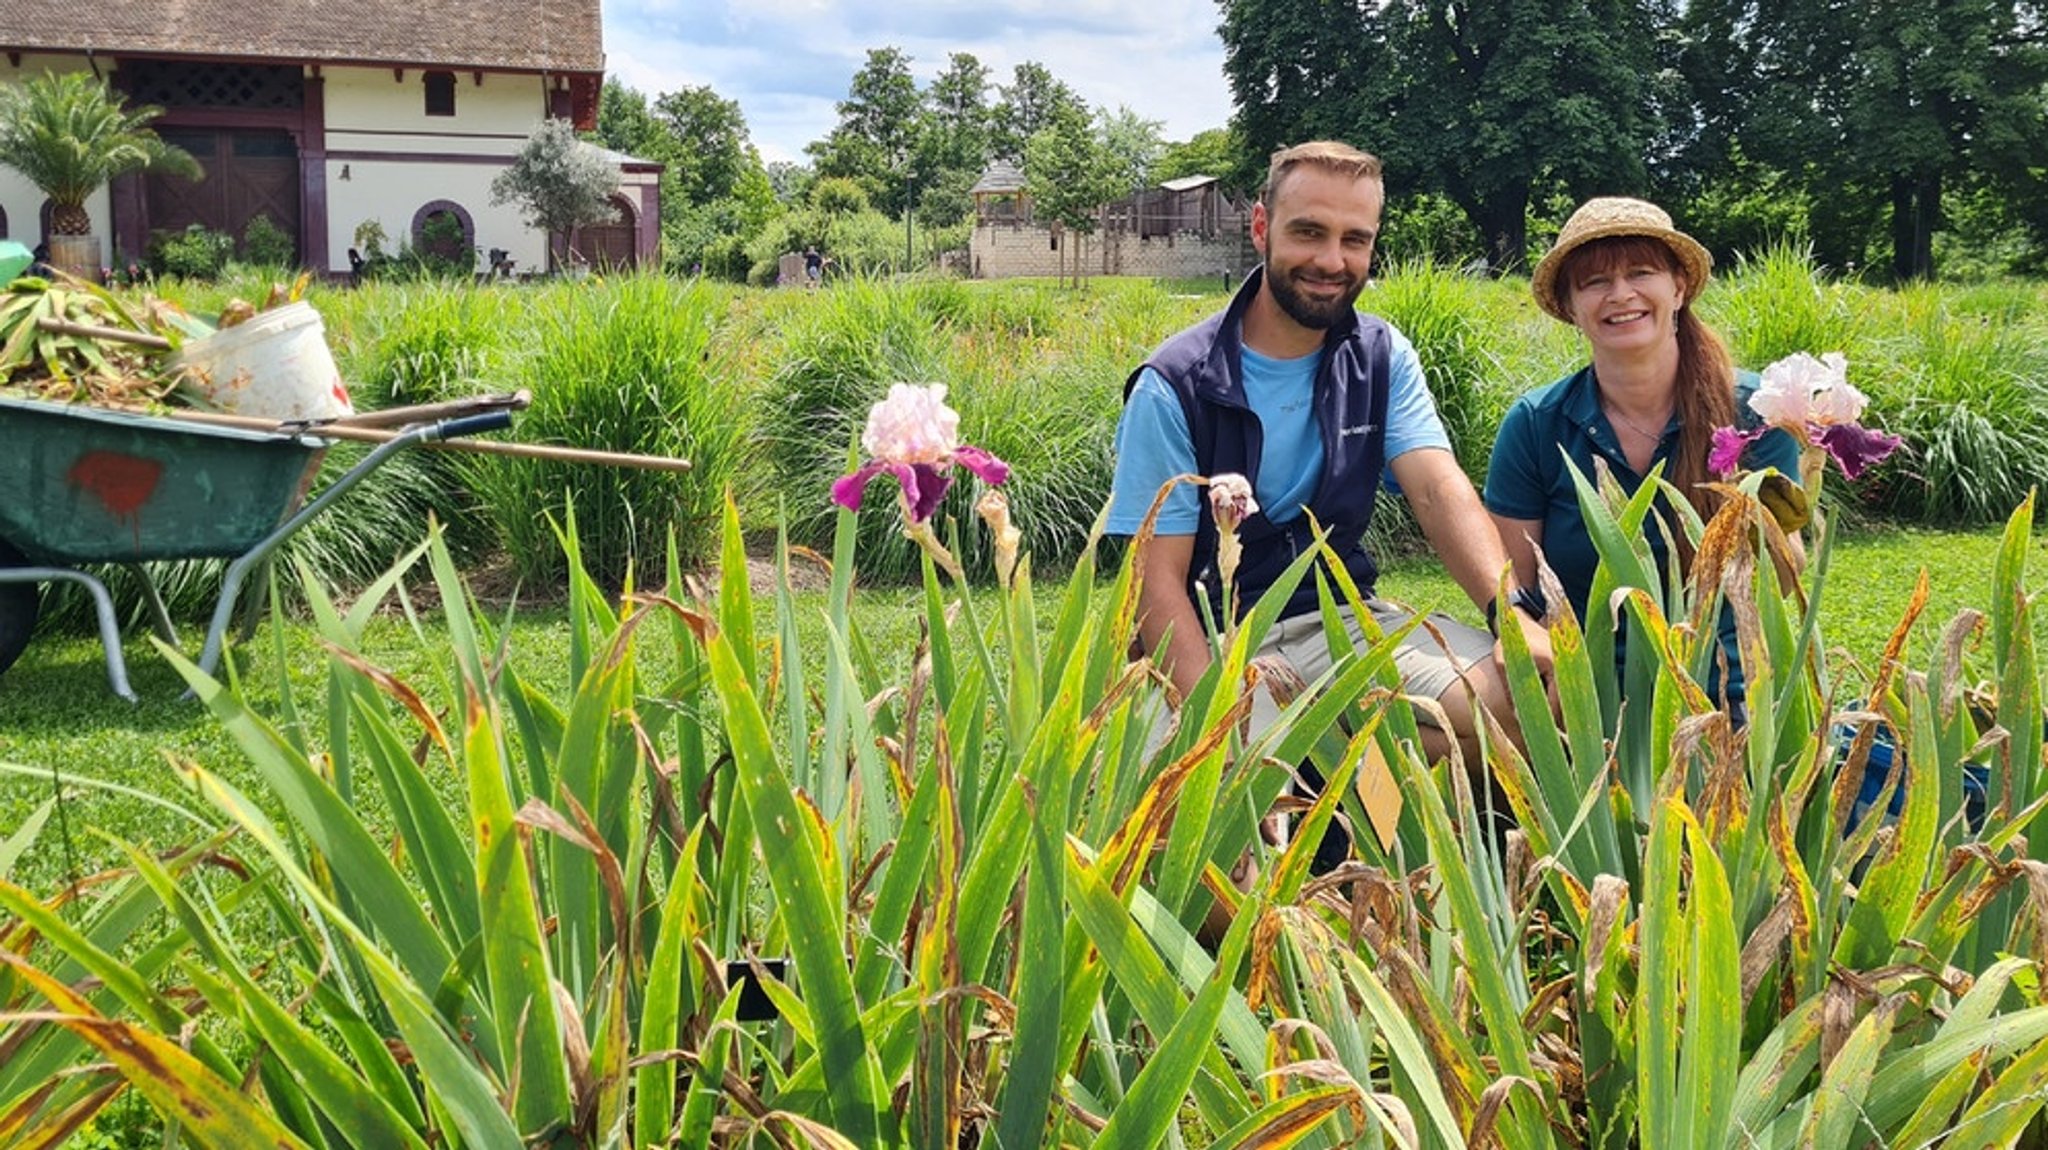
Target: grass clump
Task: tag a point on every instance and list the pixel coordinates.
(1969, 392)
(838, 357)
(1779, 302)
(627, 368)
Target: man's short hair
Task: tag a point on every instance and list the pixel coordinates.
(1333, 156)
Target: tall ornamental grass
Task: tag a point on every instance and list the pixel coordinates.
(633, 368)
(1970, 394)
(838, 357)
(773, 402)
(968, 879)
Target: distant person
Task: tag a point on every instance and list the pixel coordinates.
(1659, 383)
(356, 263)
(814, 266)
(42, 266)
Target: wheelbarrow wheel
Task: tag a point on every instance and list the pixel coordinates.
(18, 606)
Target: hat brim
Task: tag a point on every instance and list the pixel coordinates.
(1693, 259)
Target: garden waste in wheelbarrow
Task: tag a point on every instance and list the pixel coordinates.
(87, 484)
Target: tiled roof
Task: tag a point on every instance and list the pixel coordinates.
(525, 35)
(1001, 176)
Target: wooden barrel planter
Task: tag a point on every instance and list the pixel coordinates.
(77, 255)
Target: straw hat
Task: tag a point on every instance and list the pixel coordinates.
(1606, 217)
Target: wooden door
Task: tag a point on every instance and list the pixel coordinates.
(610, 245)
(248, 172)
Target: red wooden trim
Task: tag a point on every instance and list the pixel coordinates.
(313, 251)
(408, 132)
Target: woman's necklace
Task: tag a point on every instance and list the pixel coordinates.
(1615, 415)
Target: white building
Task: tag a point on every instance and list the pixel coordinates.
(328, 114)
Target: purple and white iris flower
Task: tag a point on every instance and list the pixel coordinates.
(915, 437)
(1814, 401)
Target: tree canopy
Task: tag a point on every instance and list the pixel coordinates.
(559, 183)
(1856, 110)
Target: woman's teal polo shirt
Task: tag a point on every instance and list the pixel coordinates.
(1527, 478)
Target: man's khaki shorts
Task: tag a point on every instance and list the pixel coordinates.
(1428, 668)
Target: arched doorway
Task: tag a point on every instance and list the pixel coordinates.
(616, 244)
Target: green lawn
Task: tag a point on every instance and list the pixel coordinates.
(56, 710)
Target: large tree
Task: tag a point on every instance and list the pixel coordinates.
(1131, 143)
(953, 142)
(1487, 103)
(1214, 152)
(1071, 175)
(716, 153)
(1031, 102)
(714, 188)
(1880, 102)
(956, 133)
(875, 141)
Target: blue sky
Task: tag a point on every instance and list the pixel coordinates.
(788, 61)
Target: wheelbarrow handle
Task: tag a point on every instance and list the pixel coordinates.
(471, 425)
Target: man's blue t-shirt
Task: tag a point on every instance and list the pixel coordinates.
(1153, 444)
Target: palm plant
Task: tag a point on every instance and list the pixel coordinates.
(70, 135)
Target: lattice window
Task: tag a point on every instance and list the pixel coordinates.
(179, 84)
(440, 93)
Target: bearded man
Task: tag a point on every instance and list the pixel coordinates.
(1316, 404)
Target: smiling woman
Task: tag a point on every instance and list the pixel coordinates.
(1660, 382)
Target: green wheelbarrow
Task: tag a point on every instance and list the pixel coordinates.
(81, 484)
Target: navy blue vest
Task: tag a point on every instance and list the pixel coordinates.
(1203, 365)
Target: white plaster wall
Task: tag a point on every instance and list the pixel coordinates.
(367, 103)
(19, 198)
(391, 192)
(368, 111)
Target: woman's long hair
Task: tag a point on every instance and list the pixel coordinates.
(1705, 394)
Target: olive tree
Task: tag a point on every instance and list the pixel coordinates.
(560, 183)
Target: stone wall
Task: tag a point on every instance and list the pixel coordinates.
(1002, 251)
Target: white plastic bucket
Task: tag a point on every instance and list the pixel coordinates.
(273, 366)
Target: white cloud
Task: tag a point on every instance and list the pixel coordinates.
(788, 61)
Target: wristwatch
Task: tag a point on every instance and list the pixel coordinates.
(1527, 600)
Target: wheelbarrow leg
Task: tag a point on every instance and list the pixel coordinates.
(238, 571)
(159, 616)
(103, 607)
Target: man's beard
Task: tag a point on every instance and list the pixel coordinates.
(1316, 314)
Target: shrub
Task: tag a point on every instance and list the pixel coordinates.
(838, 196)
(194, 253)
(267, 245)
